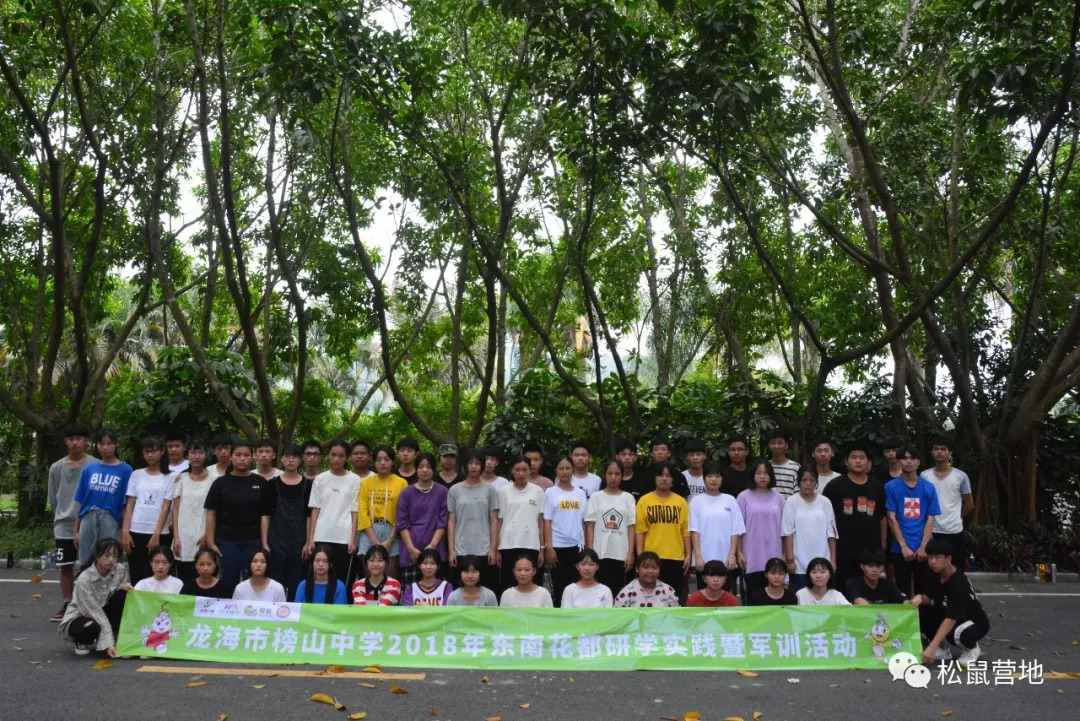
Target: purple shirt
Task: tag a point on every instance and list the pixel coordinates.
(421, 514)
(762, 513)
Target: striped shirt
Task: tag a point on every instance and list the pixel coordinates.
(386, 594)
(787, 477)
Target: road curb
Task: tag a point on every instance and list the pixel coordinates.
(1017, 577)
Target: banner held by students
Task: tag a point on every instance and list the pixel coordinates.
(621, 639)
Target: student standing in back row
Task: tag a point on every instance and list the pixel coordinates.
(175, 444)
(377, 514)
(634, 479)
(100, 498)
(63, 481)
(534, 454)
(184, 504)
(421, 518)
(858, 503)
(289, 524)
(564, 528)
(360, 459)
(521, 522)
(695, 471)
(912, 505)
(334, 495)
(609, 529)
(823, 455)
(663, 526)
(785, 469)
(716, 524)
(472, 526)
(738, 476)
(954, 496)
(407, 450)
(580, 457)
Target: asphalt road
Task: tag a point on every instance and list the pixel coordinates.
(45, 680)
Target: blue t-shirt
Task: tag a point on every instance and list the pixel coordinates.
(912, 507)
(319, 595)
(105, 487)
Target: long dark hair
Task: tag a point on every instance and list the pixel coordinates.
(153, 443)
(331, 578)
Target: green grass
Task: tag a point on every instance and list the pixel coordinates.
(8, 502)
(25, 541)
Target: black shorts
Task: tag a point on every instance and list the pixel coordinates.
(66, 555)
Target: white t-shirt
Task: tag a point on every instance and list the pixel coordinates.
(613, 515)
(566, 511)
(812, 524)
(590, 483)
(274, 592)
(574, 596)
(823, 481)
(336, 497)
(213, 471)
(171, 584)
(716, 519)
(832, 598)
(519, 512)
(696, 483)
(149, 493)
(538, 598)
(191, 520)
(950, 492)
(180, 467)
(498, 483)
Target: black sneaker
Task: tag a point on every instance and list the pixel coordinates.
(81, 649)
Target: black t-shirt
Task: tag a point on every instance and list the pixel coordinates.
(735, 482)
(859, 510)
(636, 485)
(886, 591)
(679, 485)
(956, 598)
(410, 478)
(300, 490)
(218, 590)
(882, 474)
(239, 503)
(760, 597)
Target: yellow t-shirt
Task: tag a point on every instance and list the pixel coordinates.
(378, 499)
(665, 523)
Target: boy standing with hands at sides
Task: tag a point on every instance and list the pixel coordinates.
(334, 495)
(580, 457)
(100, 497)
(823, 455)
(64, 477)
(954, 495)
(534, 454)
(738, 476)
(785, 469)
(407, 449)
(858, 503)
(912, 504)
(222, 444)
(312, 459)
(175, 443)
(634, 480)
(491, 462)
(891, 469)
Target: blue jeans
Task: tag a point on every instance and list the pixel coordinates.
(235, 557)
(97, 524)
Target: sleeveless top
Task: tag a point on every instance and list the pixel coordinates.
(428, 598)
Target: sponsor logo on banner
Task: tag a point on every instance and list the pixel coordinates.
(247, 610)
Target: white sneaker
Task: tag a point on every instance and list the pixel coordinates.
(943, 653)
(81, 649)
(970, 656)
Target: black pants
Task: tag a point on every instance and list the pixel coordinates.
(85, 630)
(959, 546)
(845, 568)
(910, 575)
(506, 571)
(671, 573)
(965, 634)
(489, 575)
(139, 558)
(185, 571)
(564, 573)
(340, 558)
(612, 573)
(754, 581)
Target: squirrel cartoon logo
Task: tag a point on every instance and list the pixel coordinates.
(879, 638)
(159, 633)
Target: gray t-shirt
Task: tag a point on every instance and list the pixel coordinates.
(472, 524)
(63, 480)
(487, 598)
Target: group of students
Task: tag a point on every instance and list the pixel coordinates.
(407, 535)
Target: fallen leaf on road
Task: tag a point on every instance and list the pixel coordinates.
(336, 669)
(103, 663)
(946, 713)
(1060, 691)
(1076, 643)
(748, 674)
(691, 716)
(757, 715)
(1002, 640)
(668, 718)
(570, 679)
(274, 675)
(373, 669)
(37, 578)
(196, 684)
(37, 596)
(358, 715)
(366, 685)
(223, 717)
(329, 700)
(1014, 647)
(398, 690)
(867, 680)
(484, 679)
(793, 680)
(259, 685)
(1031, 633)
(524, 705)
(493, 718)
(16, 648)
(834, 685)
(35, 663)
(733, 718)
(433, 712)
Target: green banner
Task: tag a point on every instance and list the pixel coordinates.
(618, 639)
